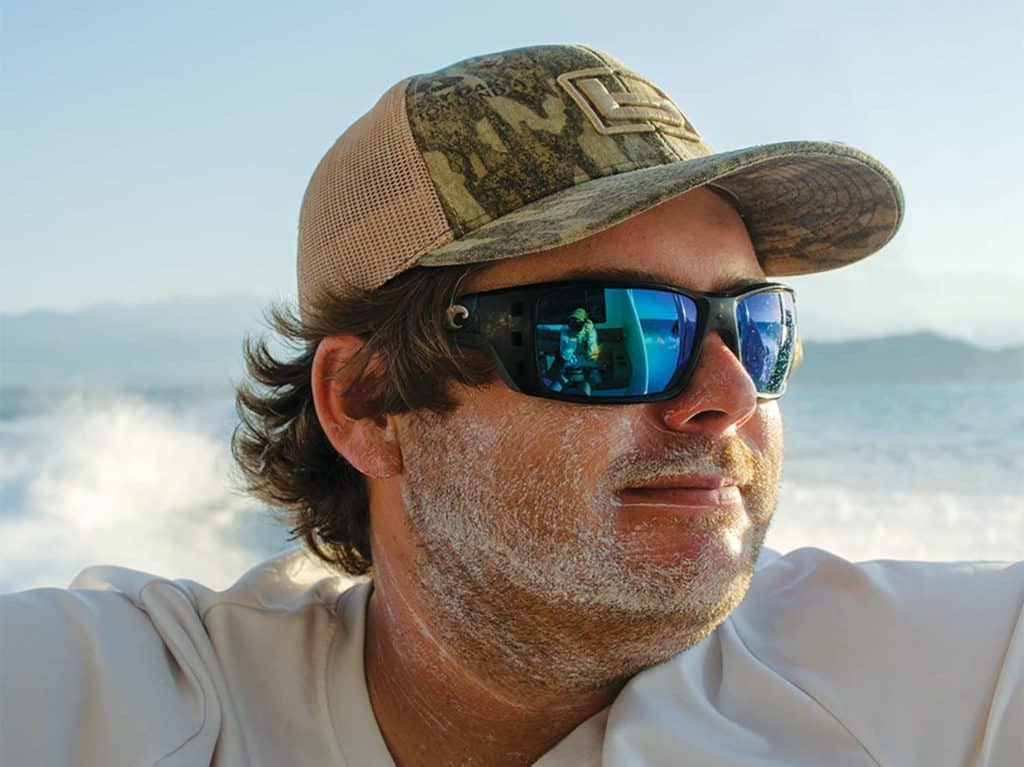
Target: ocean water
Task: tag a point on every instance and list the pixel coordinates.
(145, 480)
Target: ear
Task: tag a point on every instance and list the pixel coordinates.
(370, 443)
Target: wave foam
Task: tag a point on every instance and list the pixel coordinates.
(880, 523)
(121, 482)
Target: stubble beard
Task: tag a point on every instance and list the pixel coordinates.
(524, 576)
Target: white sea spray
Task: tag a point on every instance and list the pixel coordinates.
(120, 480)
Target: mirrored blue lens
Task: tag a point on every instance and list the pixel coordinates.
(613, 342)
(766, 325)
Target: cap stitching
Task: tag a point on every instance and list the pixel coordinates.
(436, 243)
(614, 68)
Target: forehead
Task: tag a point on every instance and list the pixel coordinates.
(696, 241)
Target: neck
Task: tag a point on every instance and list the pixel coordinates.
(433, 709)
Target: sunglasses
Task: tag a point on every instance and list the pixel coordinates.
(624, 341)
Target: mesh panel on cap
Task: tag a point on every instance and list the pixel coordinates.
(370, 209)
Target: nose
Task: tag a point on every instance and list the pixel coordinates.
(719, 398)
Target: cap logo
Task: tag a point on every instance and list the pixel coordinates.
(625, 112)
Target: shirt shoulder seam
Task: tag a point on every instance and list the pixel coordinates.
(181, 659)
(327, 605)
(325, 687)
(822, 706)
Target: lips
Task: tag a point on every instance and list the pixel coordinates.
(694, 491)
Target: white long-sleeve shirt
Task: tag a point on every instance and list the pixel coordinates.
(825, 662)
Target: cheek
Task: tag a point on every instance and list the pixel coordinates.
(575, 441)
(764, 434)
(539, 453)
(764, 431)
(530, 432)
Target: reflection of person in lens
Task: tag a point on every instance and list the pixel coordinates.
(577, 354)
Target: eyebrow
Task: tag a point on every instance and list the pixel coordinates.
(631, 273)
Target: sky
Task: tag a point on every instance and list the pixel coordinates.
(156, 150)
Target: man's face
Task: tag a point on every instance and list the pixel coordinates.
(531, 558)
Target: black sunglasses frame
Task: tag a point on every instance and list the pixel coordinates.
(500, 323)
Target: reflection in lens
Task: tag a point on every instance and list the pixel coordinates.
(668, 322)
(766, 335)
(612, 342)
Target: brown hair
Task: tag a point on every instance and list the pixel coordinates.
(279, 445)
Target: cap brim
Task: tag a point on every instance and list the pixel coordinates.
(809, 206)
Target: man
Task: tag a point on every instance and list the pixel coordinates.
(577, 353)
(524, 608)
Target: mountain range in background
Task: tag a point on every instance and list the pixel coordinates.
(197, 343)
(923, 357)
(174, 343)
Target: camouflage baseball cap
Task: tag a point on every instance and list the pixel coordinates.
(525, 150)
